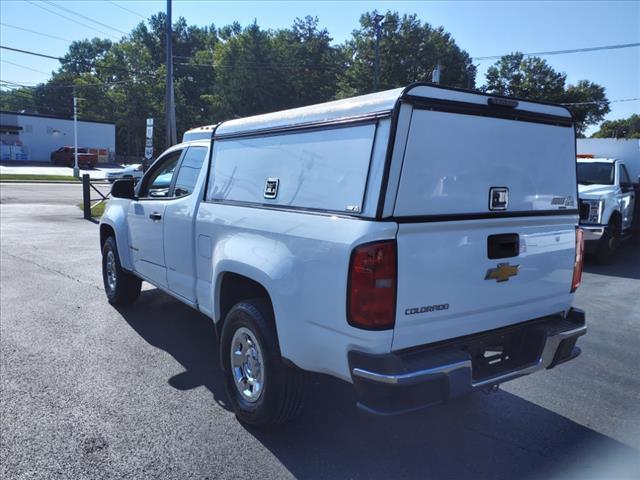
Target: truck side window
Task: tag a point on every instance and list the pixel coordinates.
(189, 171)
(624, 175)
(159, 181)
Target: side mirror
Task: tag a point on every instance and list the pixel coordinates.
(626, 187)
(123, 188)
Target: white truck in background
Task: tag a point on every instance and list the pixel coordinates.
(419, 243)
(607, 204)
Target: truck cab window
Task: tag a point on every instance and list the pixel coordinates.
(189, 171)
(158, 184)
(600, 173)
(624, 175)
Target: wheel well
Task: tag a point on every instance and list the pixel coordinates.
(235, 288)
(615, 214)
(105, 232)
(616, 217)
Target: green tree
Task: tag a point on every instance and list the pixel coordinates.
(261, 71)
(409, 52)
(623, 128)
(313, 66)
(17, 99)
(533, 78)
(83, 55)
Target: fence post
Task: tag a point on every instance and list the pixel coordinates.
(86, 196)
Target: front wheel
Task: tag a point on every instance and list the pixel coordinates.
(262, 390)
(121, 287)
(608, 243)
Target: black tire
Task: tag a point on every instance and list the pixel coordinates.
(126, 288)
(609, 242)
(282, 391)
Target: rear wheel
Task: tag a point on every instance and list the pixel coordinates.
(262, 390)
(121, 287)
(608, 244)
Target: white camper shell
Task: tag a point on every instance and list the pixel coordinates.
(451, 147)
(396, 236)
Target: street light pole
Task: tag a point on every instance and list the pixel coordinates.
(435, 75)
(76, 168)
(376, 65)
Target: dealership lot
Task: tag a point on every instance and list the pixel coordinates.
(88, 391)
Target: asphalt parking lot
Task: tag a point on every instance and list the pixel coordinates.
(88, 391)
(47, 194)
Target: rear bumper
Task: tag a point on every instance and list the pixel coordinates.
(407, 380)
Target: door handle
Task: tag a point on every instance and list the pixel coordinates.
(155, 216)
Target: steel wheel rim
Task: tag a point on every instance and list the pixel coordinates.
(111, 271)
(247, 365)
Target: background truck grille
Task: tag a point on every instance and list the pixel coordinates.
(584, 210)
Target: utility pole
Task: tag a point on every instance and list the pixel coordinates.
(76, 168)
(170, 108)
(377, 19)
(471, 72)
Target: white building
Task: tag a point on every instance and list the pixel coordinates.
(32, 137)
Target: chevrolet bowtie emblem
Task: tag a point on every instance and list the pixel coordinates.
(502, 272)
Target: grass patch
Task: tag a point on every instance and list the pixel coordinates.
(97, 210)
(27, 177)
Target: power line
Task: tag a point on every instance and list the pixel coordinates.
(561, 52)
(125, 9)
(28, 52)
(22, 93)
(251, 65)
(15, 88)
(73, 12)
(13, 84)
(23, 66)
(36, 33)
(599, 102)
(85, 85)
(71, 19)
(37, 54)
(20, 84)
(245, 64)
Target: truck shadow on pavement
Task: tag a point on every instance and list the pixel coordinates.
(626, 264)
(187, 335)
(481, 436)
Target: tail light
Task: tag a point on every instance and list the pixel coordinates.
(577, 266)
(371, 299)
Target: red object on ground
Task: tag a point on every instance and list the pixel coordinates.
(66, 156)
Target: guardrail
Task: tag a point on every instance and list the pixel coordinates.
(86, 196)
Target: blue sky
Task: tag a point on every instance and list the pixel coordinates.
(481, 28)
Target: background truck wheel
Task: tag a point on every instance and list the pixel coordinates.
(262, 390)
(608, 244)
(121, 287)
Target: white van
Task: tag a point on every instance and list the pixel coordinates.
(419, 243)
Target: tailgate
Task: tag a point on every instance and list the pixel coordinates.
(443, 289)
(486, 212)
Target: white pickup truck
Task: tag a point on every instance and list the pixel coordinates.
(419, 243)
(607, 199)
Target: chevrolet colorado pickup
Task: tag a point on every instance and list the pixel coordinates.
(419, 243)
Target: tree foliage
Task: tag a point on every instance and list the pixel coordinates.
(234, 71)
(623, 128)
(409, 52)
(533, 78)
